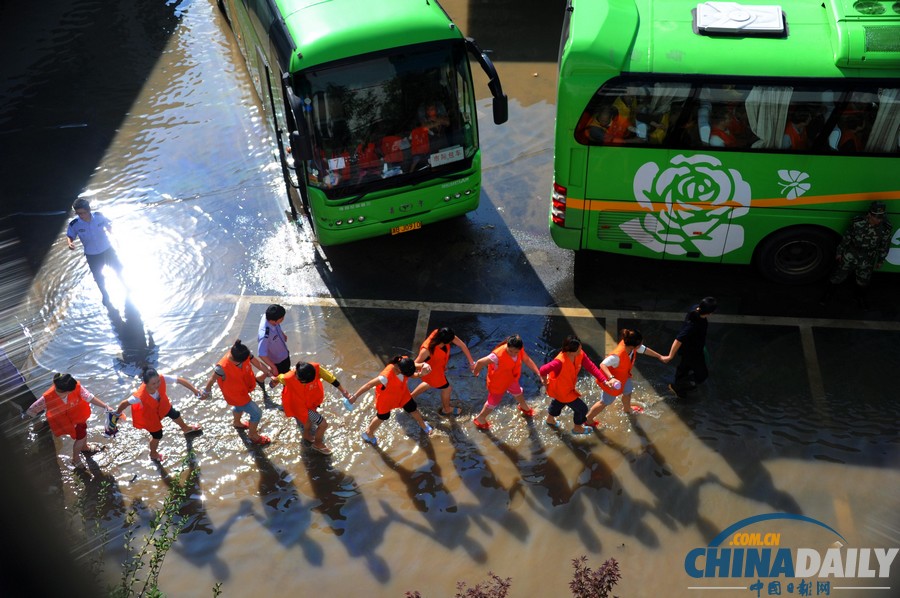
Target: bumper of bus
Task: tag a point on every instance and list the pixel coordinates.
(567, 238)
(327, 235)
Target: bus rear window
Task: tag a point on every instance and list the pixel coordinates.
(744, 115)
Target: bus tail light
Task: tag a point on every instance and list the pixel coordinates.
(558, 210)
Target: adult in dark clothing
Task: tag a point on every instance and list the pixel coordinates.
(689, 343)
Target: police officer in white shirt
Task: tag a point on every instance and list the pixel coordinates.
(92, 229)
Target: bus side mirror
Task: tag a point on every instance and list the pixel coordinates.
(501, 109)
(300, 147)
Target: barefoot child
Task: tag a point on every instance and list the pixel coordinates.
(435, 351)
(392, 392)
(68, 407)
(234, 375)
(560, 376)
(618, 366)
(303, 393)
(504, 370)
(150, 404)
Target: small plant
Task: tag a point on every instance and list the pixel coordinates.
(587, 583)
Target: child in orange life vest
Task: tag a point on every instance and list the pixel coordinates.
(392, 392)
(504, 365)
(436, 352)
(618, 366)
(560, 377)
(236, 380)
(303, 393)
(150, 404)
(68, 407)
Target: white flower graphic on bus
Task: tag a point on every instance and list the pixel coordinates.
(691, 204)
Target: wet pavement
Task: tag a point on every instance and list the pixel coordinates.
(799, 415)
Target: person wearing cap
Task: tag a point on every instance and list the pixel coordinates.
(68, 407)
(862, 249)
(92, 228)
(303, 394)
(690, 343)
(392, 392)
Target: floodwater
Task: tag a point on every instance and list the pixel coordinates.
(181, 165)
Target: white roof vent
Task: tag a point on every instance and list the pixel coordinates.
(739, 19)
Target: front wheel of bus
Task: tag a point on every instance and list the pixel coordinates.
(797, 255)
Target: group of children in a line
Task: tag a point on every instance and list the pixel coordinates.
(67, 403)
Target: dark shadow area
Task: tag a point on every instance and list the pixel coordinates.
(201, 540)
(72, 71)
(655, 285)
(425, 487)
(539, 470)
(347, 514)
(138, 347)
(525, 31)
(284, 514)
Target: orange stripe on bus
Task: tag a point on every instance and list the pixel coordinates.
(775, 202)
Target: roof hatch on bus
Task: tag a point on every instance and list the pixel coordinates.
(733, 18)
(866, 33)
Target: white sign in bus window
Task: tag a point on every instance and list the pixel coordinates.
(451, 154)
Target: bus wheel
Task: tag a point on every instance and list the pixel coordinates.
(797, 255)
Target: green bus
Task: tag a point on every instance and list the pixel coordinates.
(371, 107)
(726, 132)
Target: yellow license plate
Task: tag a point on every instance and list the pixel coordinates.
(406, 228)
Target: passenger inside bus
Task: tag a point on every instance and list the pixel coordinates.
(796, 134)
(611, 124)
(433, 116)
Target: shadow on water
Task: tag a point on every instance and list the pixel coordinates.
(57, 94)
(344, 508)
(429, 495)
(72, 71)
(539, 470)
(138, 347)
(285, 515)
(201, 540)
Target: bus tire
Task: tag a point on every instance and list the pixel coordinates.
(797, 255)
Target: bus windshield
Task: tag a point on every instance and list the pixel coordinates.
(376, 122)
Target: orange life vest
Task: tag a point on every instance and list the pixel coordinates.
(561, 386)
(148, 414)
(438, 362)
(366, 157)
(621, 372)
(507, 370)
(63, 416)
(299, 397)
(390, 149)
(727, 138)
(850, 142)
(419, 141)
(394, 394)
(237, 383)
(798, 138)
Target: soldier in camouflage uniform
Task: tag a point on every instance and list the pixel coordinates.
(863, 248)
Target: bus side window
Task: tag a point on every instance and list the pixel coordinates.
(882, 126)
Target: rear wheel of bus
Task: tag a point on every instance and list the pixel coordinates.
(797, 255)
